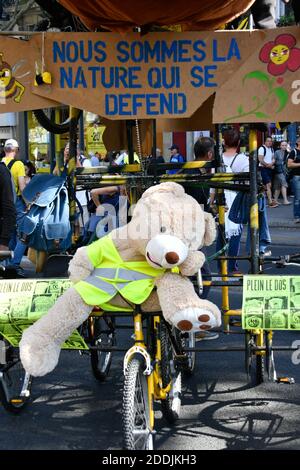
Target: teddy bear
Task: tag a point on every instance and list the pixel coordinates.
(146, 262)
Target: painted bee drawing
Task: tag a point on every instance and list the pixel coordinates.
(9, 86)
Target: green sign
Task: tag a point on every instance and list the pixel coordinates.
(271, 302)
(22, 302)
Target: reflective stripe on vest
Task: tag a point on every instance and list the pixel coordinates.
(134, 280)
(115, 276)
(120, 273)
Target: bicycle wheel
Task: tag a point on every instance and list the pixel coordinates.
(47, 120)
(102, 335)
(15, 383)
(170, 375)
(136, 409)
(254, 362)
(260, 369)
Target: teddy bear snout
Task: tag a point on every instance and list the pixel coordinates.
(172, 257)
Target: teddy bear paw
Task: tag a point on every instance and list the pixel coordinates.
(194, 319)
(38, 361)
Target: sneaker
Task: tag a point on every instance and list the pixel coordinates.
(206, 335)
(265, 253)
(286, 203)
(273, 204)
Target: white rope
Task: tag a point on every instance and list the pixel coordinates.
(138, 140)
(43, 52)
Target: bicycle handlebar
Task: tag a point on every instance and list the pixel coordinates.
(285, 260)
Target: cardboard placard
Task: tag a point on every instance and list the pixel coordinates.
(254, 75)
(17, 73)
(271, 302)
(22, 302)
(159, 75)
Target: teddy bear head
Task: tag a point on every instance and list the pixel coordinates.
(167, 223)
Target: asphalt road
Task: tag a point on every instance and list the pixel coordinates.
(220, 410)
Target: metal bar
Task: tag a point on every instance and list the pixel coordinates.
(154, 145)
(72, 165)
(223, 349)
(254, 216)
(129, 141)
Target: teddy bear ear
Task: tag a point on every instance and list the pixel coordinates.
(172, 188)
(210, 229)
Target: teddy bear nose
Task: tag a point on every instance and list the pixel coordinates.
(172, 257)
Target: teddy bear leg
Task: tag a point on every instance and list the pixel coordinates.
(41, 343)
(183, 308)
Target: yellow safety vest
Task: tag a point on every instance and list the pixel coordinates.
(136, 159)
(134, 280)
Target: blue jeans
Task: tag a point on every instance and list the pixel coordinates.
(15, 243)
(296, 189)
(264, 232)
(233, 249)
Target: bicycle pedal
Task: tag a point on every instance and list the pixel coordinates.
(285, 380)
(17, 401)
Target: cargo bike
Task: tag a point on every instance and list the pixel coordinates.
(161, 356)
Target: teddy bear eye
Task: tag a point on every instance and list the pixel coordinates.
(163, 229)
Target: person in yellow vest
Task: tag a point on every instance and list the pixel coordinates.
(17, 169)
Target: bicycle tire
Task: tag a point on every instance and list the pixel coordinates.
(136, 410)
(270, 362)
(255, 369)
(101, 360)
(50, 125)
(15, 383)
(248, 355)
(260, 369)
(190, 363)
(170, 373)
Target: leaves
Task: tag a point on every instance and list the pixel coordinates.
(258, 75)
(258, 103)
(282, 96)
(260, 114)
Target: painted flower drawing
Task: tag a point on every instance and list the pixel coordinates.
(281, 55)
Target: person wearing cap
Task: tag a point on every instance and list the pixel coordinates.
(17, 169)
(176, 157)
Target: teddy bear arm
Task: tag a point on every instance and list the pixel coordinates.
(192, 263)
(80, 266)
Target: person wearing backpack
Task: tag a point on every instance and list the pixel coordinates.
(293, 164)
(17, 169)
(266, 161)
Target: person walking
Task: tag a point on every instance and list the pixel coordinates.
(279, 181)
(266, 160)
(17, 169)
(293, 164)
(234, 162)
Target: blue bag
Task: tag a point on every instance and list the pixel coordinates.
(46, 225)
